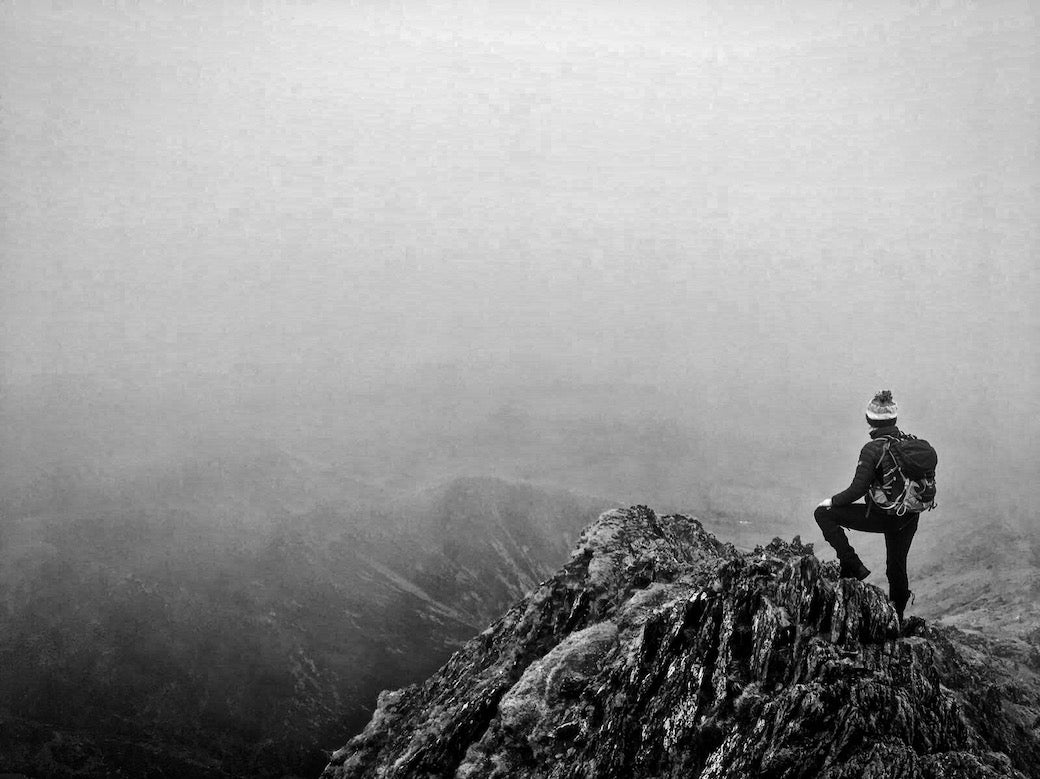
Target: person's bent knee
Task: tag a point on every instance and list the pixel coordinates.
(821, 514)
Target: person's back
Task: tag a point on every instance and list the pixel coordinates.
(843, 511)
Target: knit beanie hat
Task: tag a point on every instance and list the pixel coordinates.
(882, 408)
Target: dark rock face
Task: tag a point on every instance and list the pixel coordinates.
(658, 651)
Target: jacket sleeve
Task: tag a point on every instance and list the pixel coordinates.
(862, 479)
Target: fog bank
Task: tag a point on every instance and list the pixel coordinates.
(363, 229)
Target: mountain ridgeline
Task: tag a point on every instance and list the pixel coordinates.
(658, 651)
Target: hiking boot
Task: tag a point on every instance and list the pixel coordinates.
(900, 604)
(912, 626)
(854, 569)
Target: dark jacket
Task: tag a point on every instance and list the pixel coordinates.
(869, 457)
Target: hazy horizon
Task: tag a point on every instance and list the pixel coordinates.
(763, 213)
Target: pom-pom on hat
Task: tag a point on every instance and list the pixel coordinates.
(882, 408)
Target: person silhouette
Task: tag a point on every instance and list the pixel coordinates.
(841, 511)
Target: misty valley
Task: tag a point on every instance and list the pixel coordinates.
(224, 604)
(233, 606)
(143, 634)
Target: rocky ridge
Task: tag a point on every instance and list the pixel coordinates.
(658, 651)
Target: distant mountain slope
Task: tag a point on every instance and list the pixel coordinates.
(987, 579)
(149, 637)
(487, 541)
(658, 651)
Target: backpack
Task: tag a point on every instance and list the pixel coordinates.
(905, 476)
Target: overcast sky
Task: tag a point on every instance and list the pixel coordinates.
(811, 198)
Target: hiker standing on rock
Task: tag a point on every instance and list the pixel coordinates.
(893, 515)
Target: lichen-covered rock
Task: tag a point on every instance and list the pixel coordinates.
(658, 651)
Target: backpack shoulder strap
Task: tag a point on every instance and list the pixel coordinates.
(886, 444)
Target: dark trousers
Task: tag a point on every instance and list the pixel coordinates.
(899, 533)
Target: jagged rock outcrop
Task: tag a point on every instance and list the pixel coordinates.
(658, 651)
